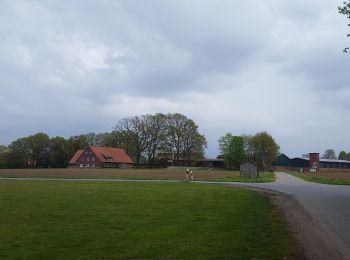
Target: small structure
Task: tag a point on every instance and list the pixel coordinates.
(97, 157)
(249, 169)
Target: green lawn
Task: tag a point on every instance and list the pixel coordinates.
(321, 179)
(62, 220)
(263, 177)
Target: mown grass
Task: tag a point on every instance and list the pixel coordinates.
(320, 179)
(60, 220)
(176, 173)
(263, 178)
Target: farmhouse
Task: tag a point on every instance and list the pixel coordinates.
(108, 157)
(312, 164)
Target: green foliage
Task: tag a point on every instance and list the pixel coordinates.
(59, 152)
(173, 135)
(345, 10)
(342, 156)
(329, 154)
(3, 153)
(60, 220)
(262, 149)
(232, 148)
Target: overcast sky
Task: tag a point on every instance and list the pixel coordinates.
(71, 67)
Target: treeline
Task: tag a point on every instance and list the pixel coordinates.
(330, 154)
(145, 138)
(260, 148)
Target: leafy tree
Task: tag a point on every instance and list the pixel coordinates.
(345, 10)
(183, 138)
(232, 148)
(59, 152)
(150, 135)
(329, 154)
(3, 153)
(40, 150)
(193, 143)
(342, 155)
(20, 154)
(156, 127)
(262, 149)
(135, 131)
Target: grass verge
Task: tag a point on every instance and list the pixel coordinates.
(133, 174)
(60, 220)
(328, 179)
(263, 177)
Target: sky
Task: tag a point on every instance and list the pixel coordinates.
(74, 67)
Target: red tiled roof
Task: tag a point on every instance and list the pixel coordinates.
(76, 156)
(104, 153)
(118, 155)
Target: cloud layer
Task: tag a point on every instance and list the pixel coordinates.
(232, 66)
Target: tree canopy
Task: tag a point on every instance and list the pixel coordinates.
(342, 156)
(329, 154)
(143, 137)
(260, 148)
(232, 148)
(345, 10)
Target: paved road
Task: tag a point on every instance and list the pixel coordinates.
(329, 204)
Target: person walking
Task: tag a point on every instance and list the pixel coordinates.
(191, 175)
(187, 172)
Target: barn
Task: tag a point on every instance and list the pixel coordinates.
(313, 164)
(101, 157)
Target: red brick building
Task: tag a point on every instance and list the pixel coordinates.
(97, 157)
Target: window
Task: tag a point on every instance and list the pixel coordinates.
(93, 159)
(93, 165)
(88, 159)
(87, 165)
(81, 165)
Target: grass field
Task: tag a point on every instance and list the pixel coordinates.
(164, 174)
(62, 220)
(324, 177)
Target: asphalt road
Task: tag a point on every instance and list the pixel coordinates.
(329, 204)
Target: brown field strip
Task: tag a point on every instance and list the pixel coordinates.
(171, 174)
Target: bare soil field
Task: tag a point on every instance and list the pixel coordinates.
(167, 174)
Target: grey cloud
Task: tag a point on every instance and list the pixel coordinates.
(62, 63)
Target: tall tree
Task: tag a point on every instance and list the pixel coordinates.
(329, 154)
(20, 154)
(135, 131)
(342, 155)
(3, 154)
(193, 143)
(263, 149)
(156, 127)
(232, 148)
(59, 152)
(40, 150)
(183, 138)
